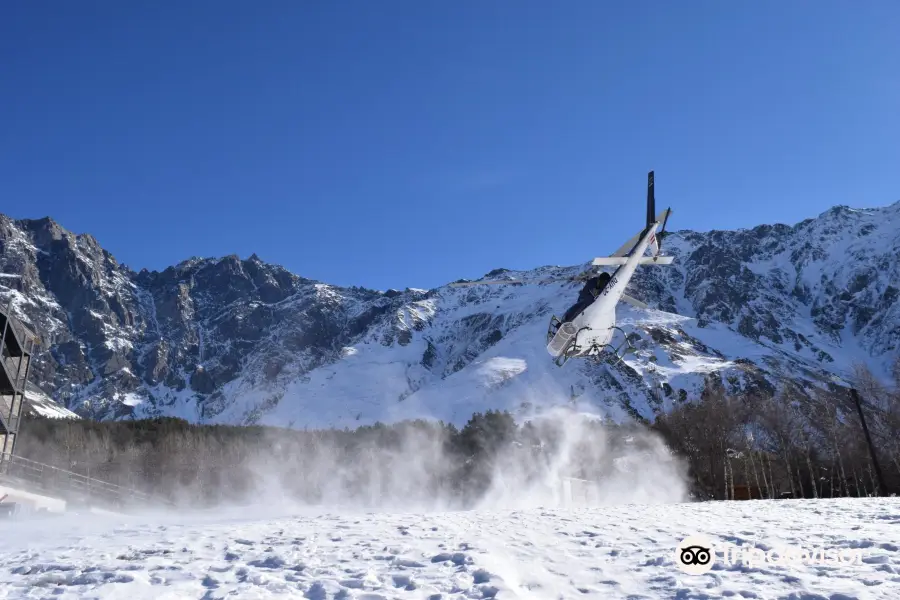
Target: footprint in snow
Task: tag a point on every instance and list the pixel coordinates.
(270, 562)
(404, 581)
(481, 576)
(408, 563)
(457, 558)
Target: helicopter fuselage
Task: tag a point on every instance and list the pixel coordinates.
(588, 327)
(591, 330)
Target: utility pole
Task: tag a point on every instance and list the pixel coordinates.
(862, 419)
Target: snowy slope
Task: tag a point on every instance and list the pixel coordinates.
(617, 551)
(233, 340)
(825, 290)
(372, 381)
(38, 403)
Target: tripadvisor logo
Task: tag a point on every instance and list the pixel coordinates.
(695, 555)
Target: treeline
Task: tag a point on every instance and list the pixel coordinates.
(733, 447)
(404, 463)
(790, 445)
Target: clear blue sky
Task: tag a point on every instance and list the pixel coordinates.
(393, 144)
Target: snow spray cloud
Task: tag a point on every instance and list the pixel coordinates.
(404, 466)
(554, 458)
(580, 460)
(559, 457)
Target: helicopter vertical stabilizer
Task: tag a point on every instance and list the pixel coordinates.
(619, 256)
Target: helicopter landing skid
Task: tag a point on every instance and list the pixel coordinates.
(622, 349)
(573, 350)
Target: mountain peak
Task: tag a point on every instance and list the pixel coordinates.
(232, 341)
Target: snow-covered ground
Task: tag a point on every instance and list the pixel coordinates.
(613, 551)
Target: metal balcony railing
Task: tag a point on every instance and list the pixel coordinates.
(15, 367)
(21, 339)
(73, 486)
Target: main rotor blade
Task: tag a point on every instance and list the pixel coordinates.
(517, 281)
(633, 301)
(570, 279)
(485, 282)
(621, 260)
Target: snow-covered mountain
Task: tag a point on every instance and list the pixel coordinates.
(242, 341)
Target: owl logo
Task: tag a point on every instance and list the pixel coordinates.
(695, 555)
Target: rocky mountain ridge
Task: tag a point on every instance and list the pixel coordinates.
(244, 341)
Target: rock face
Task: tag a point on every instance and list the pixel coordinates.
(243, 341)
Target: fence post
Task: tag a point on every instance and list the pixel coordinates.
(862, 419)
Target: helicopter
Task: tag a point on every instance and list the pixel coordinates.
(588, 327)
